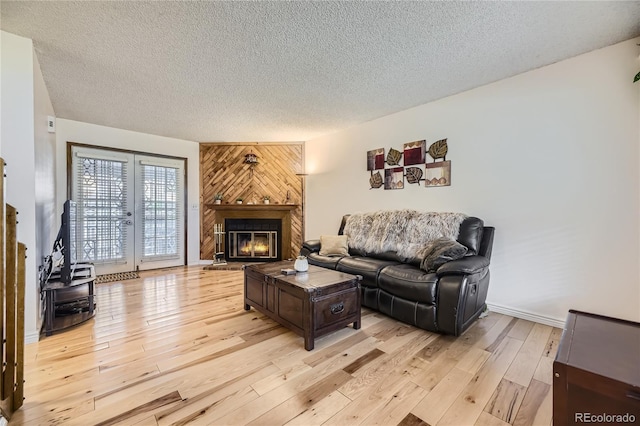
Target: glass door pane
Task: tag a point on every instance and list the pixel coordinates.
(160, 212)
(102, 191)
(131, 211)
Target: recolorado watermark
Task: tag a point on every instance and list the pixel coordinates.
(604, 418)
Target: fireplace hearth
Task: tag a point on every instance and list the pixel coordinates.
(253, 240)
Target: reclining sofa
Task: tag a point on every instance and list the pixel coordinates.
(406, 272)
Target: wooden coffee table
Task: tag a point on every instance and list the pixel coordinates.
(310, 304)
(596, 373)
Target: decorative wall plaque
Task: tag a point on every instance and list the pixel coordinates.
(375, 159)
(438, 174)
(394, 178)
(414, 152)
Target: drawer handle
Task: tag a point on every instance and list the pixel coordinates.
(337, 308)
(633, 395)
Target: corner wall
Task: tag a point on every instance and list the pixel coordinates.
(45, 174)
(18, 151)
(549, 157)
(109, 137)
(222, 170)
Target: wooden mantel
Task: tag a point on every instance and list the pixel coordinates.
(252, 207)
(258, 211)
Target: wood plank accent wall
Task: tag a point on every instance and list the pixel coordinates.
(222, 171)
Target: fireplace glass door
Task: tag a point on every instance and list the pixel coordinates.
(250, 244)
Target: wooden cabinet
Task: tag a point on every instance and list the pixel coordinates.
(597, 371)
(67, 305)
(310, 304)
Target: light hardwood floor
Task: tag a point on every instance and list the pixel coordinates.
(176, 347)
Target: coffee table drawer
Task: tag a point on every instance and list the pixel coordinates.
(336, 307)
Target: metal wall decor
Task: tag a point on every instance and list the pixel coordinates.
(438, 174)
(414, 175)
(250, 159)
(435, 173)
(414, 152)
(375, 181)
(393, 157)
(394, 178)
(375, 159)
(439, 149)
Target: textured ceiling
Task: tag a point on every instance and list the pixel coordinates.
(291, 71)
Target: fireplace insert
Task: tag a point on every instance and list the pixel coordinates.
(253, 239)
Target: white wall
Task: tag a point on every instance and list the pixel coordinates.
(17, 136)
(549, 157)
(91, 134)
(45, 174)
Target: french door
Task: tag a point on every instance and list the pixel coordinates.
(131, 211)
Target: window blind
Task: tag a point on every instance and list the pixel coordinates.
(101, 196)
(162, 223)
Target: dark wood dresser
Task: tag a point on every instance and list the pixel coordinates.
(310, 303)
(596, 373)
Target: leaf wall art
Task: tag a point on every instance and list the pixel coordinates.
(414, 175)
(375, 180)
(414, 152)
(393, 157)
(436, 172)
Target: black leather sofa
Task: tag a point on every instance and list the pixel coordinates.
(447, 301)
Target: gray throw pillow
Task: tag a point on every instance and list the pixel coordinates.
(440, 251)
(333, 245)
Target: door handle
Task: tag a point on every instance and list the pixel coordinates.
(128, 222)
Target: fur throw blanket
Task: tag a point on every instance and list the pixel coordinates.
(406, 232)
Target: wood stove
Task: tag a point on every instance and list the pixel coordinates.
(253, 240)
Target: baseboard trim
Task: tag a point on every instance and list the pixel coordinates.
(553, 322)
(31, 337)
(201, 262)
